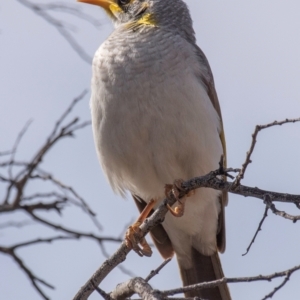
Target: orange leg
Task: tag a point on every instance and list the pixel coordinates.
(175, 189)
(133, 233)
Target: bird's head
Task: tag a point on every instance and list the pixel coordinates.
(172, 14)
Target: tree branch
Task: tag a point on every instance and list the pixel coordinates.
(257, 231)
(258, 128)
(211, 180)
(215, 283)
(43, 11)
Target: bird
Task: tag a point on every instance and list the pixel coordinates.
(156, 119)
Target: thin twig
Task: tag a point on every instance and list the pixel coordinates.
(15, 147)
(277, 288)
(42, 11)
(21, 179)
(32, 277)
(218, 282)
(82, 203)
(257, 231)
(248, 160)
(73, 232)
(269, 203)
(4, 153)
(73, 10)
(156, 271)
(15, 224)
(65, 114)
(102, 293)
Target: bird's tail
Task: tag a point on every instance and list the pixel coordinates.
(205, 268)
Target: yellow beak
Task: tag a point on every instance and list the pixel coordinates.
(103, 3)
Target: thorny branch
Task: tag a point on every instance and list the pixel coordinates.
(45, 10)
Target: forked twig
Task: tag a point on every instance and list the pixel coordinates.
(248, 160)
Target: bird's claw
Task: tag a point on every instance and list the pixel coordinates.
(133, 238)
(175, 190)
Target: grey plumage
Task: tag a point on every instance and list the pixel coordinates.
(156, 118)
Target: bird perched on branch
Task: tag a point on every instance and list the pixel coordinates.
(156, 118)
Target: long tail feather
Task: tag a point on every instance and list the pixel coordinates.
(205, 268)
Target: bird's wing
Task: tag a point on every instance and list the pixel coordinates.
(207, 79)
(209, 268)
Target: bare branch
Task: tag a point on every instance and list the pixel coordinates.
(210, 180)
(106, 255)
(21, 179)
(72, 232)
(63, 29)
(257, 231)
(215, 283)
(65, 114)
(15, 147)
(73, 10)
(82, 203)
(42, 241)
(258, 128)
(268, 201)
(4, 153)
(277, 288)
(135, 286)
(15, 224)
(102, 293)
(156, 271)
(32, 277)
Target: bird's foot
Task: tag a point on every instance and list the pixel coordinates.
(134, 238)
(175, 189)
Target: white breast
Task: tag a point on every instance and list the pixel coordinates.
(153, 122)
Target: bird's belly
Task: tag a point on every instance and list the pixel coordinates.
(153, 130)
(149, 138)
(144, 147)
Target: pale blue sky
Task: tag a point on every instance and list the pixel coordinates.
(253, 48)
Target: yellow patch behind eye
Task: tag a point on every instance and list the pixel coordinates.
(147, 19)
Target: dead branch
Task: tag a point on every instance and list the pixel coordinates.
(135, 286)
(145, 291)
(156, 271)
(258, 128)
(31, 276)
(257, 231)
(21, 174)
(211, 180)
(21, 178)
(44, 11)
(270, 205)
(286, 274)
(14, 149)
(15, 224)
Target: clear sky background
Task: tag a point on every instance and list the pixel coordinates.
(253, 48)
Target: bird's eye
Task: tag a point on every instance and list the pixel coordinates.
(123, 2)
